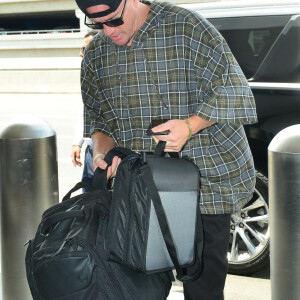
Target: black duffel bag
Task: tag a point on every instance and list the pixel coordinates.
(66, 258)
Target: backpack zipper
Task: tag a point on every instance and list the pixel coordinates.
(99, 260)
(132, 174)
(66, 203)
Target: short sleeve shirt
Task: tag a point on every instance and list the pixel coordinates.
(177, 66)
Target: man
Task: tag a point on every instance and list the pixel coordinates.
(159, 61)
(78, 139)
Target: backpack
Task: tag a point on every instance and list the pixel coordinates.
(155, 221)
(66, 259)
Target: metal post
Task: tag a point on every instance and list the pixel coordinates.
(28, 186)
(284, 193)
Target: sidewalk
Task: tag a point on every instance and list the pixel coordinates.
(236, 288)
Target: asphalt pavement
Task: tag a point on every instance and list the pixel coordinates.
(61, 111)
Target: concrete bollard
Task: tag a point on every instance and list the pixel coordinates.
(284, 199)
(28, 186)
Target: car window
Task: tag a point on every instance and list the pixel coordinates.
(250, 38)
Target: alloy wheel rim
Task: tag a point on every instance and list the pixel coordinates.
(249, 231)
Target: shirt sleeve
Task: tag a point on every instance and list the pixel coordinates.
(93, 119)
(225, 95)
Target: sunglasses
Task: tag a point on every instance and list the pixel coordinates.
(111, 23)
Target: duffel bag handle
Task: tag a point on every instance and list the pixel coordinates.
(160, 148)
(77, 187)
(99, 183)
(58, 217)
(117, 151)
(123, 152)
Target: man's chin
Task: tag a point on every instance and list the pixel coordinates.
(118, 40)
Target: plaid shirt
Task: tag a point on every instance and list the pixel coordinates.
(177, 66)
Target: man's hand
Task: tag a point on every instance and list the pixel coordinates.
(178, 136)
(102, 144)
(75, 155)
(112, 170)
(98, 161)
(180, 131)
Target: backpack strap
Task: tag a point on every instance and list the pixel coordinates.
(47, 223)
(99, 183)
(100, 179)
(117, 151)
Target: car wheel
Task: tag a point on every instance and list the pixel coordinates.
(248, 249)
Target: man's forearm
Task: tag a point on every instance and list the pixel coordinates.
(198, 123)
(102, 143)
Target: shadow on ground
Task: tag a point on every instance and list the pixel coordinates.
(263, 274)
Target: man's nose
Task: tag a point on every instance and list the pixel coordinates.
(108, 30)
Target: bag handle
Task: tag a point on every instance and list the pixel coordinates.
(58, 217)
(99, 183)
(160, 148)
(117, 151)
(100, 179)
(77, 187)
(123, 152)
(164, 227)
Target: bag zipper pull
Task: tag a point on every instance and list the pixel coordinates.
(27, 243)
(62, 246)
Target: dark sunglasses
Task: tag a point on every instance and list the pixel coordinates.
(111, 23)
(82, 49)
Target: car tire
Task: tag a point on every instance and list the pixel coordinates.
(248, 250)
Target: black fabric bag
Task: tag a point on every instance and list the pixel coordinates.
(155, 221)
(66, 258)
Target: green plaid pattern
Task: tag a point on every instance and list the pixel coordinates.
(177, 66)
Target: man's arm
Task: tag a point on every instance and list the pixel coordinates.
(180, 131)
(102, 144)
(75, 155)
(198, 123)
